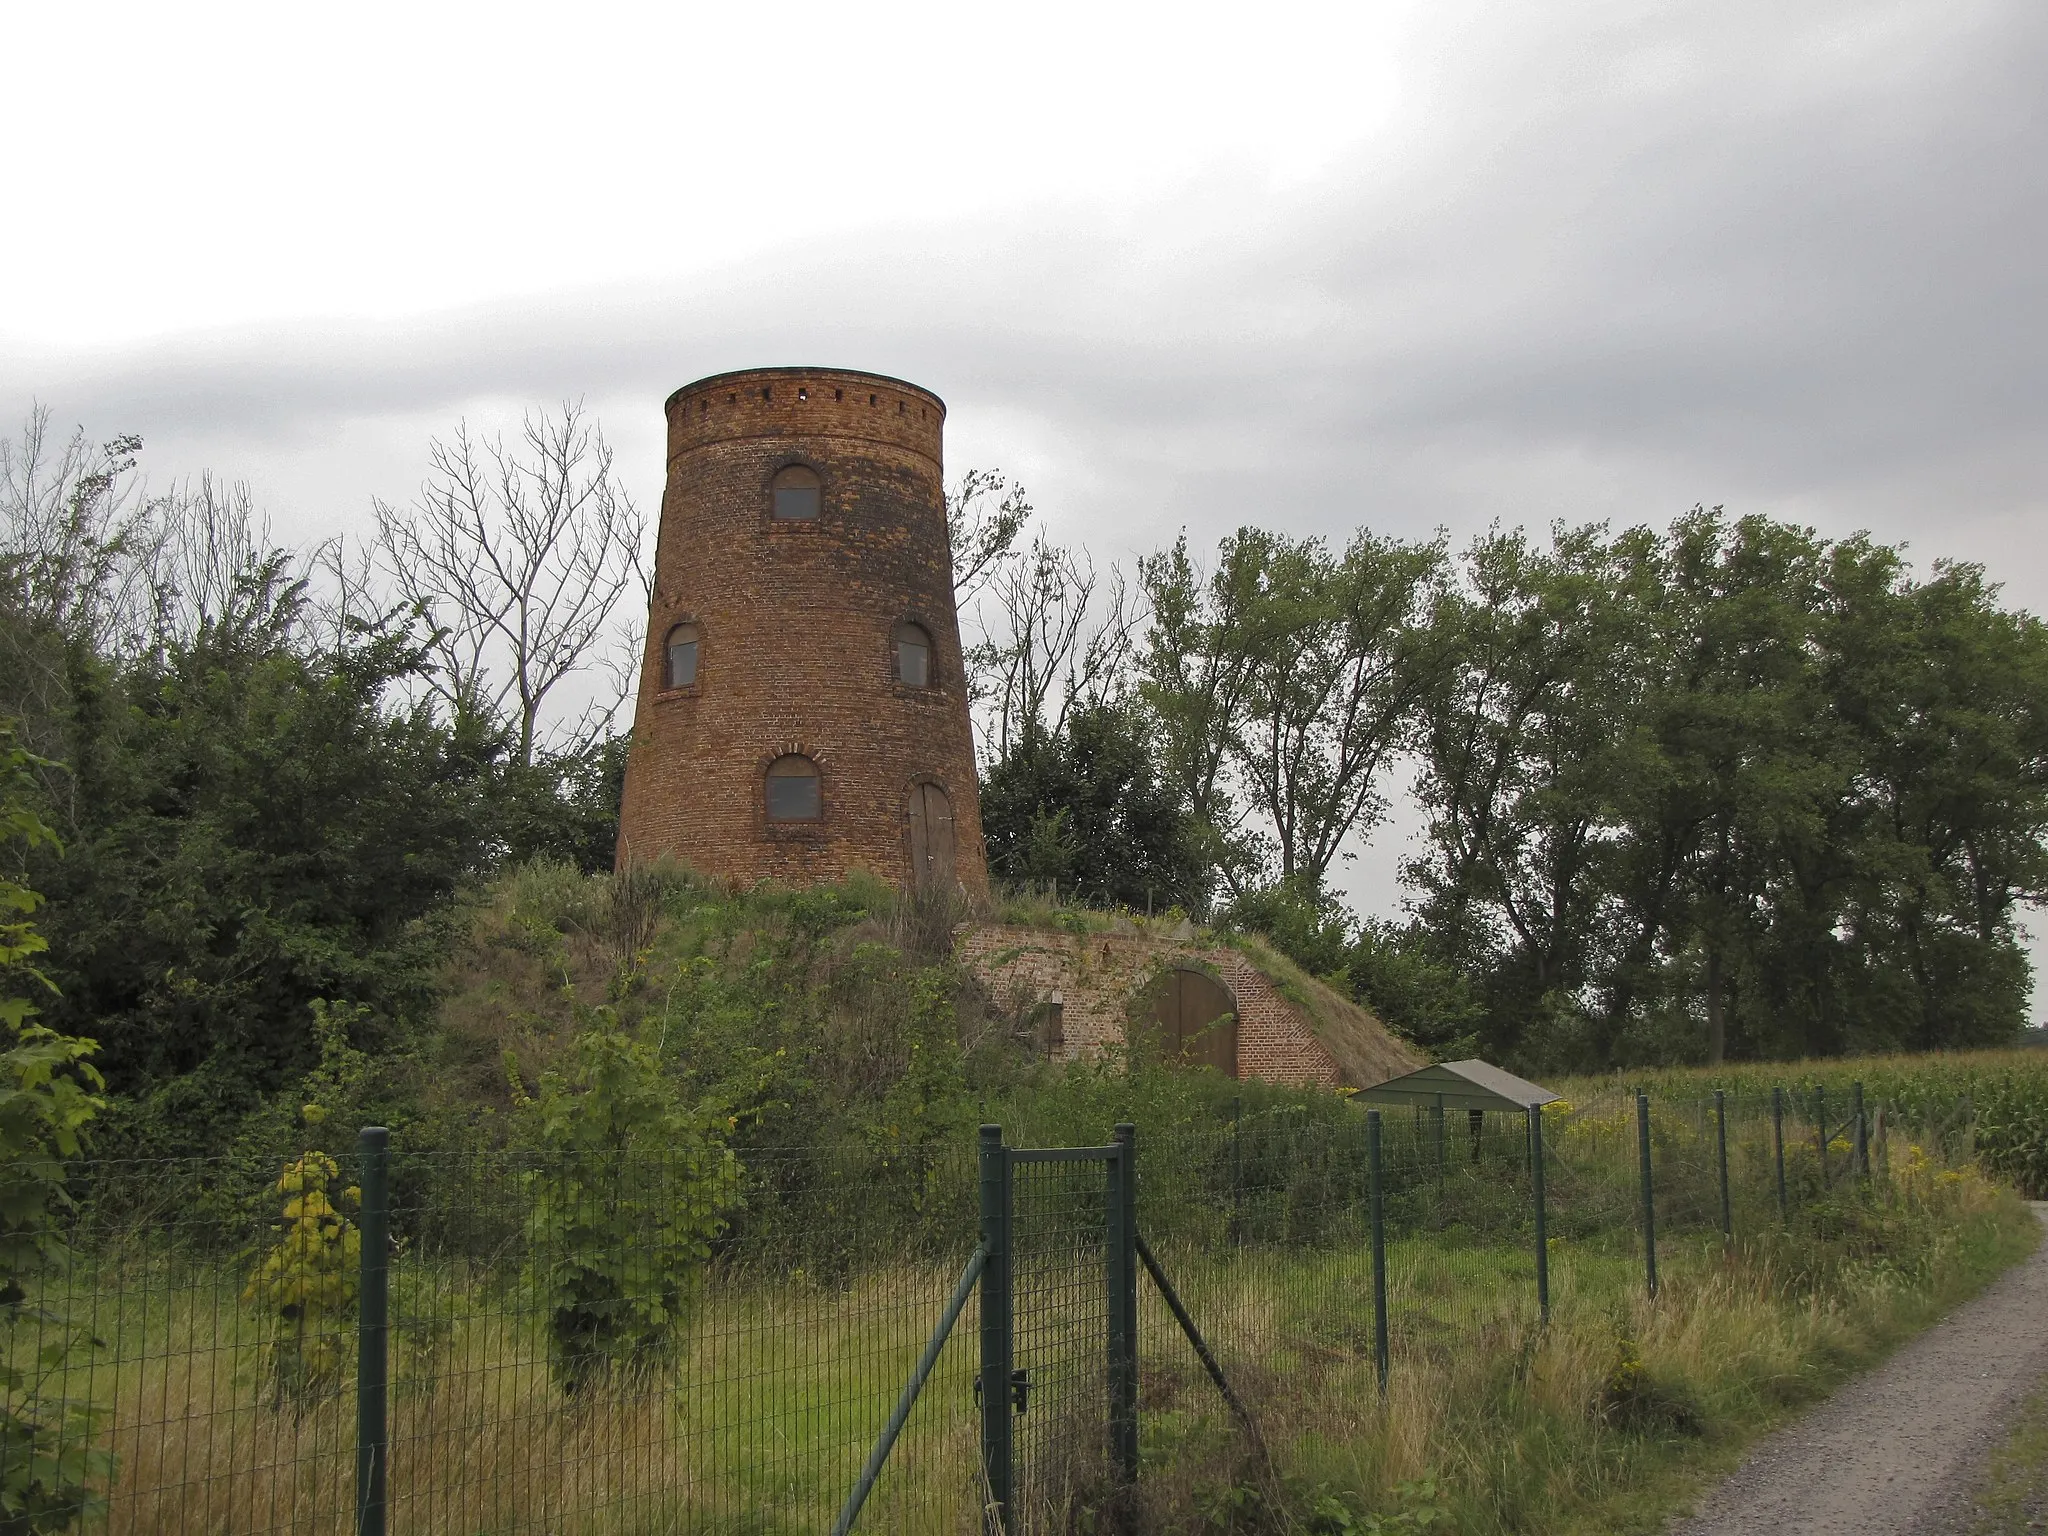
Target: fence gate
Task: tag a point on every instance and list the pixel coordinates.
(1059, 1315)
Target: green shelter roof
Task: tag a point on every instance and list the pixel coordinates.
(1459, 1085)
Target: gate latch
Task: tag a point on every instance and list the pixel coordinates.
(1020, 1388)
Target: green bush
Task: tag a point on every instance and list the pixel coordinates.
(305, 1285)
(49, 1094)
(631, 1188)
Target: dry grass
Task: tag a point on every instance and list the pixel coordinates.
(1598, 1421)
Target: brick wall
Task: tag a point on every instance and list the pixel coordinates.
(796, 623)
(1098, 977)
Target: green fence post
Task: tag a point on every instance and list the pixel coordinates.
(1778, 1151)
(1649, 1192)
(1438, 1128)
(1721, 1152)
(1123, 1320)
(1862, 1136)
(997, 1339)
(1820, 1130)
(1536, 1183)
(1379, 1246)
(373, 1331)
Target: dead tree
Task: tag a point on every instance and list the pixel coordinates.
(520, 557)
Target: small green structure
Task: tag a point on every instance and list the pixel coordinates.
(1466, 1085)
(1479, 1088)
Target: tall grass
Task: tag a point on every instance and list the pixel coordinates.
(1599, 1420)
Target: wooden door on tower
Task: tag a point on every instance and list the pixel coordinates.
(1197, 1020)
(931, 838)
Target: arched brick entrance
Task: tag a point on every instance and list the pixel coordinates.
(1197, 1019)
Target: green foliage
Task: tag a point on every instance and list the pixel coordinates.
(1396, 971)
(1085, 808)
(1418, 1506)
(305, 1285)
(1735, 788)
(255, 827)
(2010, 1128)
(1281, 685)
(922, 1118)
(632, 1188)
(1729, 789)
(49, 1095)
(851, 1071)
(259, 809)
(563, 805)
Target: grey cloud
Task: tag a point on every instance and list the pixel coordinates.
(1798, 275)
(1788, 260)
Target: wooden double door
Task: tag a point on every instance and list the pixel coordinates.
(1196, 1020)
(930, 814)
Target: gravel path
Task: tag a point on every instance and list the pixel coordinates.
(1898, 1452)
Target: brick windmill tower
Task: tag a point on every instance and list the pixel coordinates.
(803, 705)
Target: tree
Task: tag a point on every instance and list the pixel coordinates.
(1283, 683)
(521, 557)
(1350, 649)
(1529, 735)
(1197, 669)
(985, 515)
(1084, 806)
(1740, 746)
(74, 534)
(1938, 832)
(72, 518)
(631, 1187)
(1053, 649)
(1733, 789)
(257, 826)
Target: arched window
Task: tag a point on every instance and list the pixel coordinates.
(793, 789)
(681, 669)
(798, 495)
(913, 656)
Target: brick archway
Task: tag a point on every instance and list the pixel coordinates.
(1196, 1018)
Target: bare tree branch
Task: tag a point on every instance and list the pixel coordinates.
(1050, 650)
(75, 530)
(520, 557)
(985, 514)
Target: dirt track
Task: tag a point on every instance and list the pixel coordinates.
(1898, 1452)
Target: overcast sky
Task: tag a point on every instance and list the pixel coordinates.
(1309, 266)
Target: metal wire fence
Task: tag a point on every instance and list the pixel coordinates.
(500, 1342)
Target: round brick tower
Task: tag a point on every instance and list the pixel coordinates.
(803, 705)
